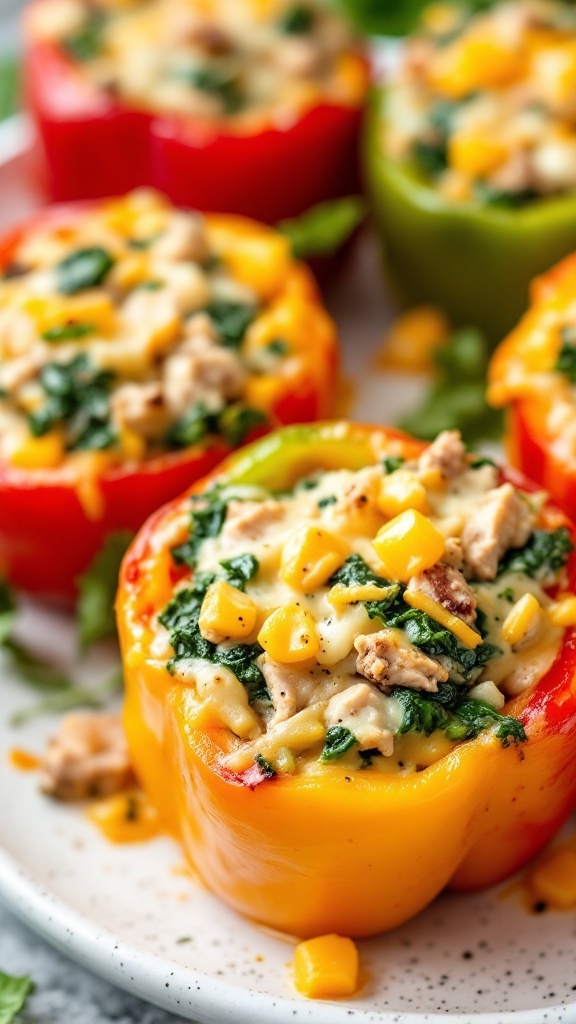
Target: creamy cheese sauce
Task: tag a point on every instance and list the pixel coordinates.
(351, 700)
(485, 103)
(230, 60)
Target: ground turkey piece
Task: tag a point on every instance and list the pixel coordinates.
(504, 520)
(387, 660)
(362, 710)
(282, 684)
(88, 757)
(141, 408)
(202, 373)
(449, 588)
(249, 520)
(447, 454)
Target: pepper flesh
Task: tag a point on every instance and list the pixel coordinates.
(50, 533)
(323, 852)
(278, 172)
(474, 261)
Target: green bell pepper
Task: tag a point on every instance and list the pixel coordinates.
(473, 260)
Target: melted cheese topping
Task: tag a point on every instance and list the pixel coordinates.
(486, 104)
(364, 660)
(133, 328)
(235, 61)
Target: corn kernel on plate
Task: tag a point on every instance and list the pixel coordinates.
(136, 915)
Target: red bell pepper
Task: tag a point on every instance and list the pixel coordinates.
(52, 524)
(90, 145)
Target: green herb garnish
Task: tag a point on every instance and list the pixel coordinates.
(207, 519)
(392, 462)
(324, 228)
(546, 552)
(77, 397)
(87, 42)
(97, 590)
(13, 995)
(231, 320)
(236, 421)
(566, 361)
(338, 741)
(265, 767)
(84, 268)
(69, 331)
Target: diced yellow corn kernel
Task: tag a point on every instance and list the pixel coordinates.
(226, 612)
(133, 445)
(142, 213)
(474, 62)
(340, 596)
(554, 881)
(475, 155)
(408, 544)
(256, 258)
(563, 611)
(413, 338)
(437, 611)
(290, 635)
(522, 620)
(91, 307)
(326, 967)
(310, 556)
(400, 491)
(130, 271)
(161, 333)
(45, 452)
(125, 817)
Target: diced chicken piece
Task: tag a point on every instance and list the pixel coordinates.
(282, 682)
(356, 510)
(208, 374)
(211, 38)
(18, 334)
(186, 283)
(504, 520)
(515, 174)
(88, 757)
(140, 407)
(298, 56)
(449, 588)
(362, 710)
(199, 327)
(447, 454)
(387, 660)
(184, 239)
(14, 373)
(453, 553)
(249, 520)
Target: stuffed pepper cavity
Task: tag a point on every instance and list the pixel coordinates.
(345, 649)
(533, 374)
(187, 91)
(473, 144)
(138, 345)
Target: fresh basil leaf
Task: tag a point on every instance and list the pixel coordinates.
(97, 591)
(84, 268)
(338, 741)
(13, 995)
(323, 229)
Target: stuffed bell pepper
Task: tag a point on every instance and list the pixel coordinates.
(230, 105)
(138, 346)
(533, 374)
(350, 670)
(471, 157)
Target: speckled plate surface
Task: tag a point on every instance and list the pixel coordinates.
(134, 915)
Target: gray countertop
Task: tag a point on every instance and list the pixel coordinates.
(65, 993)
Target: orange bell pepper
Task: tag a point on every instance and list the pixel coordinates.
(325, 853)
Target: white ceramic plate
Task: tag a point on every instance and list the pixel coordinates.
(133, 915)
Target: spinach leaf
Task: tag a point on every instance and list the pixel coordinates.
(78, 397)
(215, 82)
(192, 427)
(356, 572)
(460, 716)
(265, 767)
(207, 520)
(566, 361)
(392, 462)
(419, 713)
(338, 741)
(324, 228)
(240, 570)
(87, 42)
(84, 268)
(505, 199)
(473, 716)
(278, 347)
(68, 331)
(330, 499)
(97, 590)
(437, 641)
(231, 320)
(237, 421)
(546, 552)
(430, 156)
(13, 995)
(297, 20)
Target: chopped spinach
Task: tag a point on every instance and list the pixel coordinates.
(367, 757)
(7, 612)
(356, 572)
(566, 361)
(546, 552)
(436, 641)
(430, 156)
(419, 712)
(476, 715)
(489, 195)
(265, 767)
(233, 423)
(207, 520)
(84, 268)
(192, 427)
(507, 595)
(77, 396)
(482, 460)
(240, 570)
(237, 421)
(231, 320)
(278, 347)
(460, 716)
(215, 82)
(330, 499)
(392, 462)
(68, 331)
(338, 741)
(87, 42)
(297, 20)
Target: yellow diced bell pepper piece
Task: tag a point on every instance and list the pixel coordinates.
(523, 619)
(256, 258)
(289, 635)
(141, 214)
(407, 545)
(474, 62)
(91, 307)
(475, 155)
(131, 271)
(554, 881)
(468, 636)
(326, 967)
(226, 613)
(563, 611)
(45, 452)
(400, 491)
(309, 558)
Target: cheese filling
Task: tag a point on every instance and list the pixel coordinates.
(235, 61)
(134, 329)
(324, 625)
(484, 104)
